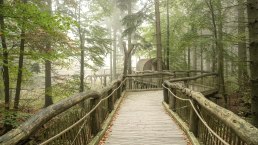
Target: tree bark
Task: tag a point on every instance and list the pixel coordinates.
(252, 11)
(48, 76)
(218, 36)
(195, 58)
(129, 57)
(221, 56)
(114, 52)
(6, 79)
(82, 61)
(168, 37)
(5, 62)
(242, 54)
(158, 36)
(20, 67)
(189, 58)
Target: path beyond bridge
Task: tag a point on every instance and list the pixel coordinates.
(142, 120)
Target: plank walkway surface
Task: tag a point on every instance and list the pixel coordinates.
(142, 120)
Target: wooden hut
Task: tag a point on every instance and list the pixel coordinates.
(147, 64)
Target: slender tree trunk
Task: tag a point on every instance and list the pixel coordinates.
(218, 36)
(221, 55)
(19, 76)
(252, 11)
(48, 84)
(82, 63)
(129, 40)
(242, 53)
(111, 56)
(48, 77)
(125, 60)
(158, 36)
(6, 79)
(189, 58)
(195, 58)
(168, 37)
(114, 52)
(201, 58)
(5, 62)
(82, 43)
(185, 59)
(20, 67)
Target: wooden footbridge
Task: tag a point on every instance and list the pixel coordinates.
(148, 108)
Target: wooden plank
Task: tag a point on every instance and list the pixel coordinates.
(143, 120)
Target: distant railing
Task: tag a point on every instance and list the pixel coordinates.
(210, 123)
(73, 121)
(147, 80)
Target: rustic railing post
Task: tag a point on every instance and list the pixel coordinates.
(194, 120)
(186, 82)
(110, 101)
(188, 74)
(165, 93)
(172, 103)
(119, 90)
(115, 92)
(96, 121)
(105, 80)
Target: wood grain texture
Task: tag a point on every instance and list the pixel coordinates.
(142, 120)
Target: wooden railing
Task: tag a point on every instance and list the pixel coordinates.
(147, 80)
(73, 121)
(76, 120)
(210, 123)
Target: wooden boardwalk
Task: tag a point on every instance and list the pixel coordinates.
(142, 120)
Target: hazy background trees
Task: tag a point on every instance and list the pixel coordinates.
(70, 40)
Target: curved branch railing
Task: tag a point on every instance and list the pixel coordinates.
(74, 120)
(224, 127)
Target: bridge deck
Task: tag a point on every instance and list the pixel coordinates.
(142, 120)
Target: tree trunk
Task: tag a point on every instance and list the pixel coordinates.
(114, 52)
(82, 64)
(252, 11)
(168, 36)
(189, 58)
(82, 43)
(7, 125)
(218, 36)
(221, 56)
(242, 54)
(214, 59)
(48, 77)
(201, 58)
(5, 62)
(20, 67)
(129, 57)
(158, 36)
(125, 60)
(48, 84)
(195, 58)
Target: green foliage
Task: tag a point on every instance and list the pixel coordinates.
(12, 118)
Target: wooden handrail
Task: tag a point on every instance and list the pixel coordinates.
(43, 116)
(192, 78)
(242, 128)
(150, 74)
(34, 123)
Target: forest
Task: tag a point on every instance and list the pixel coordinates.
(51, 49)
